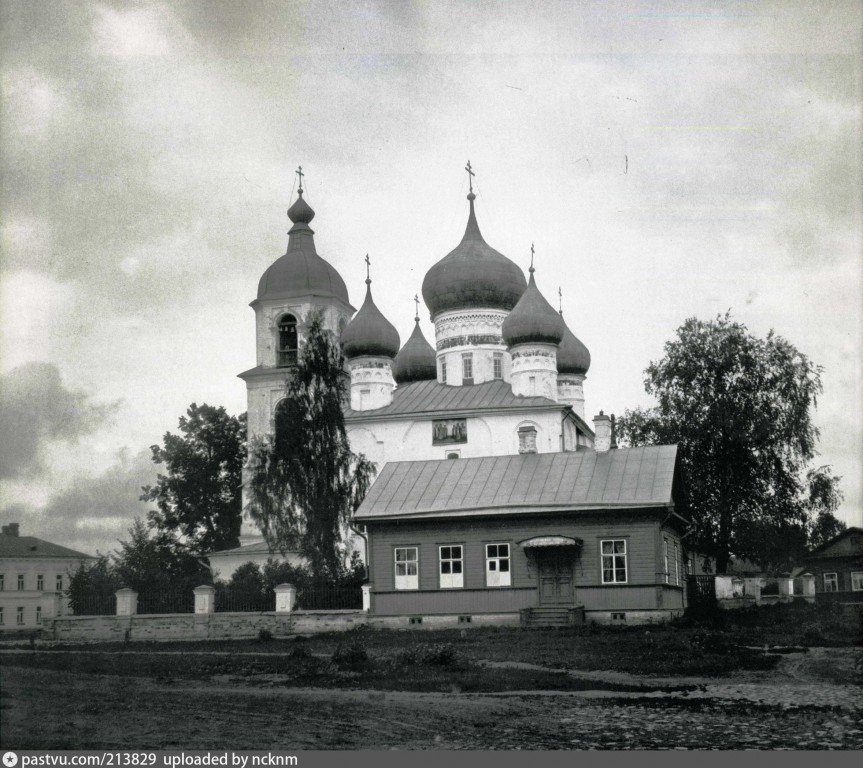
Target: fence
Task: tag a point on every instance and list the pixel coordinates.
(166, 602)
(94, 605)
(329, 598)
(230, 601)
(700, 592)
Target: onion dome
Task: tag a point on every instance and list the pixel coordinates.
(533, 319)
(416, 360)
(301, 272)
(473, 275)
(572, 355)
(370, 333)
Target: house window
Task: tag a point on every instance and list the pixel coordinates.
(831, 582)
(613, 561)
(20, 581)
(38, 614)
(857, 581)
(677, 563)
(40, 583)
(451, 567)
(467, 368)
(59, 586)
(2, 582)
(443, 371)
(667, 571)
(19, 617)
(497, 572)
(497, 362)
(2, 620)
(287, 350)
(406, 568)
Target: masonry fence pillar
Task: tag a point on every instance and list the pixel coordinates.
(786, 588)
(286, 596)
(367, 597)
(205, 599)
(808, 587)
(127, 602)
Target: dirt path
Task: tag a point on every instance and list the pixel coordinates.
(798, 705)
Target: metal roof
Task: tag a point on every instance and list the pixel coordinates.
(30, 546)
(432, 397)
(532, 482)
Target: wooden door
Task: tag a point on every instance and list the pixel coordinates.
(555, 578)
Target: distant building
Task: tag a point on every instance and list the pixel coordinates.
(838, 568)
(495, 495)
(34, 575)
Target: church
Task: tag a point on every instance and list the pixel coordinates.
(496, 501)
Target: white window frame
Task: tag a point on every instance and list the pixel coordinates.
(667, 571)
(38, 614)
(497, 366)
(857, 581)
(19, 616)
(833, 581)
(614, 554)
(495, 575)
(451, 566)
(40, 582)
(403, 559)
(58, 583)
(677, 563)
(20, 582)
(467, 366)
(443, 371)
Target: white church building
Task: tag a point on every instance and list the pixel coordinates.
(495, 498)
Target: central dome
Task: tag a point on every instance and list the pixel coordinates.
(473, 275)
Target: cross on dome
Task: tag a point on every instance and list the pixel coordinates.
(560, 300)
(300, 174)
(417, 306)
(531, 257)
(470, 175)
(368, 274)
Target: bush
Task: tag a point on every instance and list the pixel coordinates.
(350, 656)
(429, 654)
(712, 642)
(264, 635)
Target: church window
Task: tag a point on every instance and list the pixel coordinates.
(287, 351)
(19, 618)
(452, 454)
(531, 383)
(467, 368)
(59, 583)
(498, 365)
(613, 561)
(857, 581)
(497, 572)
(831, 582)
(443, 371)
(407, 571)
(20, 581)
(40, 583)
(451, 567)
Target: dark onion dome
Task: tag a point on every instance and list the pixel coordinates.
(533, 319)
(416, 360)
(301, 272)
(473, 275)
(572, 355)
(370, 333)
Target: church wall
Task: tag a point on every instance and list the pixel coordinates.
(475, 332)
(487, 435)
(644, 589)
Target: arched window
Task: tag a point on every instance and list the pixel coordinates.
(286, 354)
(281, 424)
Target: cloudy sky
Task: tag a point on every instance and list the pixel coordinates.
(668, 159)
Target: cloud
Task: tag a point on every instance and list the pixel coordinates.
(36, 408)
(94, 512)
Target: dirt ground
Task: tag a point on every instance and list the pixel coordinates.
(804, 703)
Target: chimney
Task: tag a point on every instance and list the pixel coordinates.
(11, 529)
(602, 429)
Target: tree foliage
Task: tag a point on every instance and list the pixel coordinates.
(739, 409)
(92, 587)
(304, 481)
(199, 498)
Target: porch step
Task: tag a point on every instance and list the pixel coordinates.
(552, 616)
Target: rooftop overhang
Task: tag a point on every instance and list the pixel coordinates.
(541, 542)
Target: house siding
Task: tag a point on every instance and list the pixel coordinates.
(644, 588)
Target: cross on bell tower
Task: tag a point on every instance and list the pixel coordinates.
(300, 174)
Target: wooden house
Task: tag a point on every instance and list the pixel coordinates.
(838, 568)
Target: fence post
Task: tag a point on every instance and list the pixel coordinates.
(808, 587)
(786, 588)
(205, 599)
(367, 597)
(127, 602)
(286, 595)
